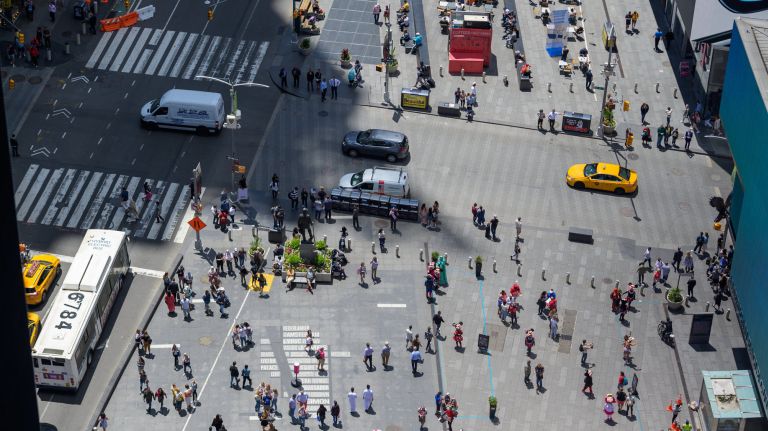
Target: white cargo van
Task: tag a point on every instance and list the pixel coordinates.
(200, 111)
(383, 181)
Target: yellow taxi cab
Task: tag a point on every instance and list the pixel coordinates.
(33, 324)
(602, 176)
(39, 274)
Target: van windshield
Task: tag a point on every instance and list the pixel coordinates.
(154, 105)
(356, 179)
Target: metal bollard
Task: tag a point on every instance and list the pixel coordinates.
(674, 93)
(445, 256)
(397, 250)
(469, 262)
(441, 70)
(658, 86)
(48, 54)
(592, 283)
(83, 30)
(686, 300)
(421, 254)
(325, 239)
(635, 87)
(728, 314)
(519, 269)
(494, 264)
(707, 307)
(462, 73)
(373, 247)
(549, 87)
(78, 39)
(483, 77)
(349, 244)
(571, 87)
(543, 274)
(66, 48)
(568, 278)
(229, 233)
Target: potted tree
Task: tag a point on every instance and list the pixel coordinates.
(323, 267)
(674, 299)
(609, 123)
(492, 406)
(346, 58)
(304, 46)
(478, 266)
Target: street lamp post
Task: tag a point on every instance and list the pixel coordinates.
(233, 119)
(607, 71)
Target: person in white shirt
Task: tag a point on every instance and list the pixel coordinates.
(352, 396)
(552, 117)
(368, 398)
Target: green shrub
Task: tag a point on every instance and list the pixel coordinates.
(292, 260)
(320, 245)
(322, 261)
(293, 243)
(492, 401)
(675, 295)
(304, 44)
(254, 246)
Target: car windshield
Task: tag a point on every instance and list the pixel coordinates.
(624, 173)
(356, 179)
(590, 169)
(362, 136)
(154, 105)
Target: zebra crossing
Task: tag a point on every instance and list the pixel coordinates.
(79, 199)
(316, 384)
(177, 54)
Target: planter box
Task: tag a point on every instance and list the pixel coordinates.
(323, 277)
(673, 306)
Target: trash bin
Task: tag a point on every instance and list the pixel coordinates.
(448, 109)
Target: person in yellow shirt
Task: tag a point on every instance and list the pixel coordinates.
(405, 8)
(635, 16)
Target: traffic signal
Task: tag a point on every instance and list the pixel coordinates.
(626, 105)
(20, 36)
(127, 4)
(210, 14)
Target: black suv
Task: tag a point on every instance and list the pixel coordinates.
(376, 142)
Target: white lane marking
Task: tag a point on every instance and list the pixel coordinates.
(196, 57)
(85, 199)
(112, 48)
(136, 51)
(171, 15)
(184, 54)
(717, 192)
(391, 305)
(109, 206)
(164, 346)
(61, 193)
(156, 37)
(246, 61)
(127, 46)
(169, 59)
(233, 59)
(25, 183)
(117, 219)
(142, 63)
(144, 222)
(175, 215)
(43, 200)
(93, 211)
(340, 354)
(72, 198)
(154, 273)
(160, 52)
(223, 54)
(165, 208)
(99, 49)
(184, 228)
(207, 59)
(41, 180)
(255, 68)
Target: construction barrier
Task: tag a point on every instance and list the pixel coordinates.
(146, 12)
(113, 24)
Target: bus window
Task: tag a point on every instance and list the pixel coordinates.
(46, 361)
(35, 363)
(58, 362)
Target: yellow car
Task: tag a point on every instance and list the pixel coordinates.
(39, 274)
(602, 176)
(33, 324)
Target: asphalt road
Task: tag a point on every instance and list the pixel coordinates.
(81, 142)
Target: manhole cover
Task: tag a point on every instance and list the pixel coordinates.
(19, 78)
(66, 34)
(684, 206)
(627, 212)
(381, 224)
(632, 156)
(607, 280)
(676, 171)
(715, 177)
(35, 80)
(205, 341)
(323, 113)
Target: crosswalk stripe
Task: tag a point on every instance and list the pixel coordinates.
(184, 54)
(195, 58)
(160, 52)
(136, 51)
(146, 53)
(59, 196)
(82, 204)
(93, 211)
(147, 213)
(234, 58)
(43, 200)
(31, 198)
(165, 208)
(71, 198)
(207, 59)
(25, 183)
(256, 64)
(223, 54)
(175, 216)
(99, 49)
(112, 48)
(246, 59)
(169, 59)
(155, 37)
(117, 219)
(127, 46)
(101, 222)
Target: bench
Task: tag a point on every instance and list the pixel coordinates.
(298, 279)
(578, 234)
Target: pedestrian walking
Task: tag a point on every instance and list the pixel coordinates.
(187, 393)
(143, 380)
(438, 320)
(186, 363)
(361, 270)
(292, 408)
(318, 78)
(194, 391)
(688, 137)
(584, 348)
(356, 216)
(320, 356)
(376, 12)
(321, 412)
(631, 400)
(677, 407)
(368, 398)
(608, 407)
(553, 328)
(539, 370)
(29, 7)
(408, 337)
(587, 382)
(176, 353)
(296, 73)
(386, 351)
(52, 10)
(92, 22)
(627, 21)
(160, 397)
(393, 216)
(218, 423)
(415, 359)
(14, 146)
(147, 340)
(635, 17)
(552, 117)
(283, 77)
(245, 373)
(185, 307)
(368, 357)
(234, 376)
(644, 108)
(494, 225)
(691, 284)
(428, 336)
(335, 413)
(530, 341)
(688, 262)
(323, 89)
(334, 83)
(352, 397)
(589, 76)
(382, 240)
(656, 39)
(540, 119)
(310, 80)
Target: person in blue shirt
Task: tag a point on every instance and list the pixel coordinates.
(656, 39)
(417, 40)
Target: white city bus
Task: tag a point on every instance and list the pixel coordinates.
(64, 350)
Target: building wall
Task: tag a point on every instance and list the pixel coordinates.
(742, 110)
